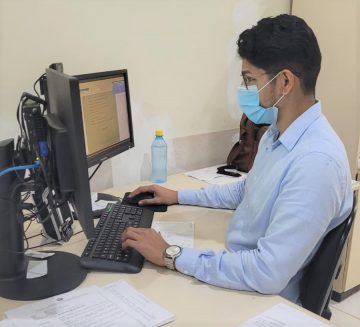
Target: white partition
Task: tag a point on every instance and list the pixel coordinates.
(336, 24)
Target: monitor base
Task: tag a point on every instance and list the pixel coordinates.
(64, 274)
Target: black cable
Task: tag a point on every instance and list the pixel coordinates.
(81, 231)
(96, 169)
(38, 246)
(48, 206)
(39, 179)
(18, 113)
(30, 217)
(25, 238)
(28, 226)
(44, 220)
(26, 241)
(43, 207)
(50, 188)
(25, 197)
(18, 175)
(41, 234)
(37, 81)
(16, 188)
(36, 235)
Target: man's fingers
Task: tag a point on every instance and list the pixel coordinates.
(141, 189)
(129, 243)
(146, 202)
(131, 233)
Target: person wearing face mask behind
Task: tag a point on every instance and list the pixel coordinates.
(298, 189)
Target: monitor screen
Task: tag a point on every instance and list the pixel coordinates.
(106, 114)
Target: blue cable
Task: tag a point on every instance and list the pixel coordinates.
(23, 167)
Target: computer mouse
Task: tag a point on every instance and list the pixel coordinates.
(141, 196)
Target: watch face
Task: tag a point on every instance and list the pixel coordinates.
(173, 250)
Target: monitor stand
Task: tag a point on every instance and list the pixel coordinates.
(64, 270)
(64, 274)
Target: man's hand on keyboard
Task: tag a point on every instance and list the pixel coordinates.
(162, 195)
(146, 241)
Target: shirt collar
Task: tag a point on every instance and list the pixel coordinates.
(293, 133)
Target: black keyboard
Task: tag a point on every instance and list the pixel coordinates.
(104, 251)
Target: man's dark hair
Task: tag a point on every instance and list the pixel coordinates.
(283, 42)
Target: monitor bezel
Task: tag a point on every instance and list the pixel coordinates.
(122, 146)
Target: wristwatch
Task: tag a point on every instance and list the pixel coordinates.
(170, 255)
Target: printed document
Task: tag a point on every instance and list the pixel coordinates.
(282, 315)
(117, 304)
(137, 305)
(176, 232)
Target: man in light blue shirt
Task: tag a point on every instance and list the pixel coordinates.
(298, 189)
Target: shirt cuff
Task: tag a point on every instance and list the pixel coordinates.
(186, 262)
(187, 197)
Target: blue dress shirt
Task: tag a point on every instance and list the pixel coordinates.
(298, 189)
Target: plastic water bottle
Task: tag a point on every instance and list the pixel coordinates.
(158, 158)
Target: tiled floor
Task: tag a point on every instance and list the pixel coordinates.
(347, 312)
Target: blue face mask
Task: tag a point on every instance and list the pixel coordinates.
(249, 101)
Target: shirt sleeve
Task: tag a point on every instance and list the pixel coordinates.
(309, 198)
(225, 196)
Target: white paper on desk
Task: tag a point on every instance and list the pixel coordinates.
(6, 323)
(211, 176)
(86, 307)
(137, 305)
(176, 232)
(282, 315)
(36, 269)
(98, 204)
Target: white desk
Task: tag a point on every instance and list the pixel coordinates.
(194, 303)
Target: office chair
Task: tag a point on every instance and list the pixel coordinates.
(317, 282)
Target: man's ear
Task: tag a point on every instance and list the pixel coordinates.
(288, 80)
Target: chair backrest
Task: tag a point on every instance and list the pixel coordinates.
(317, 281)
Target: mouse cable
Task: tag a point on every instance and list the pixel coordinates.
(96, 169)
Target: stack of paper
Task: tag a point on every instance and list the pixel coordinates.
(211, 176)
(282, 315)
(117, 304)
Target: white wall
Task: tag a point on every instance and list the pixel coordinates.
(336, 24)
(180, 54)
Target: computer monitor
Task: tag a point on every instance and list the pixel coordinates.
(89, 119)
(106, 114)
(67, 146)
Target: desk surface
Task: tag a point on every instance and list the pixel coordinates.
(194, 303)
